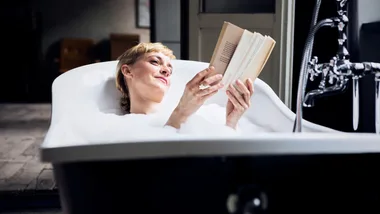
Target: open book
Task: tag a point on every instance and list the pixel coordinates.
(240, 54)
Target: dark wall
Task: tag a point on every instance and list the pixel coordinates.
(94, 19)
(31, 31)
(336, 111)
(21, 56)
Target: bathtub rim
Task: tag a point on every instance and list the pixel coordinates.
(263, 144)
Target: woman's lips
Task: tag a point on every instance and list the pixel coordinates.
(165, 81)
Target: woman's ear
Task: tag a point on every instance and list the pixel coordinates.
(126, 70)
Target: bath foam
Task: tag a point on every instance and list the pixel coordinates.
(93, 127)
(210, 120)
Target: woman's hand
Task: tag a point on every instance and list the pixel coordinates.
(239, 100)
(194, 97)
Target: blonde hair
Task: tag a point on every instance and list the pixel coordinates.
(129, 57)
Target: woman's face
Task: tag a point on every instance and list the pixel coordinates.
(149, 76)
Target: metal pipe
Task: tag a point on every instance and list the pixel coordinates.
(304, 72)
(377, 105)
(355, 102)
(306, 57)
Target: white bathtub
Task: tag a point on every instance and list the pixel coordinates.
(198, 175)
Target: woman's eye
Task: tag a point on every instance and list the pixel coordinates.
(154, 62)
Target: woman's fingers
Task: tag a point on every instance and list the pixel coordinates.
(250, 86)
(212, 80)
(209, 95)
(210, 90)
(195, 82)
(244, 92)
(233, 100)
(238, 96)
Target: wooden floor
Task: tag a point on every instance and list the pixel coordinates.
(22, 130)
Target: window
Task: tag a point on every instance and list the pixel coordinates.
(238, 6)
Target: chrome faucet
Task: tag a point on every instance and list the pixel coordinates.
(328, 75)
(335, 74)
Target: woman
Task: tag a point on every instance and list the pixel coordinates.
(143, 77)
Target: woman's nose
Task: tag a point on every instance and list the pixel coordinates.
(165, 71)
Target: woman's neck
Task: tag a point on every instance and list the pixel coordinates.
(142, 106)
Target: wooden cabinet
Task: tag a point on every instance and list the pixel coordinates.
(121, 42)
(75, 52)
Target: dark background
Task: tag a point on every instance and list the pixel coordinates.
(21, 59)
(332, 111)
(336, 111)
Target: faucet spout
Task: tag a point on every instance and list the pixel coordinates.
(311, 96)
(337, 88)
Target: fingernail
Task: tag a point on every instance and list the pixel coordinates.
(211, 67)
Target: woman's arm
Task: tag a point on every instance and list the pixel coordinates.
(194, 96)
(176, 119)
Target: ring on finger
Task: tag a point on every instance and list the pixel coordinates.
(202, 87)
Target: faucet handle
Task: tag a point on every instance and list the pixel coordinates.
(332, 77)
(315, 60)
(325, 72)
(314, 68)
(333, 65)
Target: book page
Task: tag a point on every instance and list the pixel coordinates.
(257, 64)
(270, 43)
(255, 48)
(236, 63)
(228, 40)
